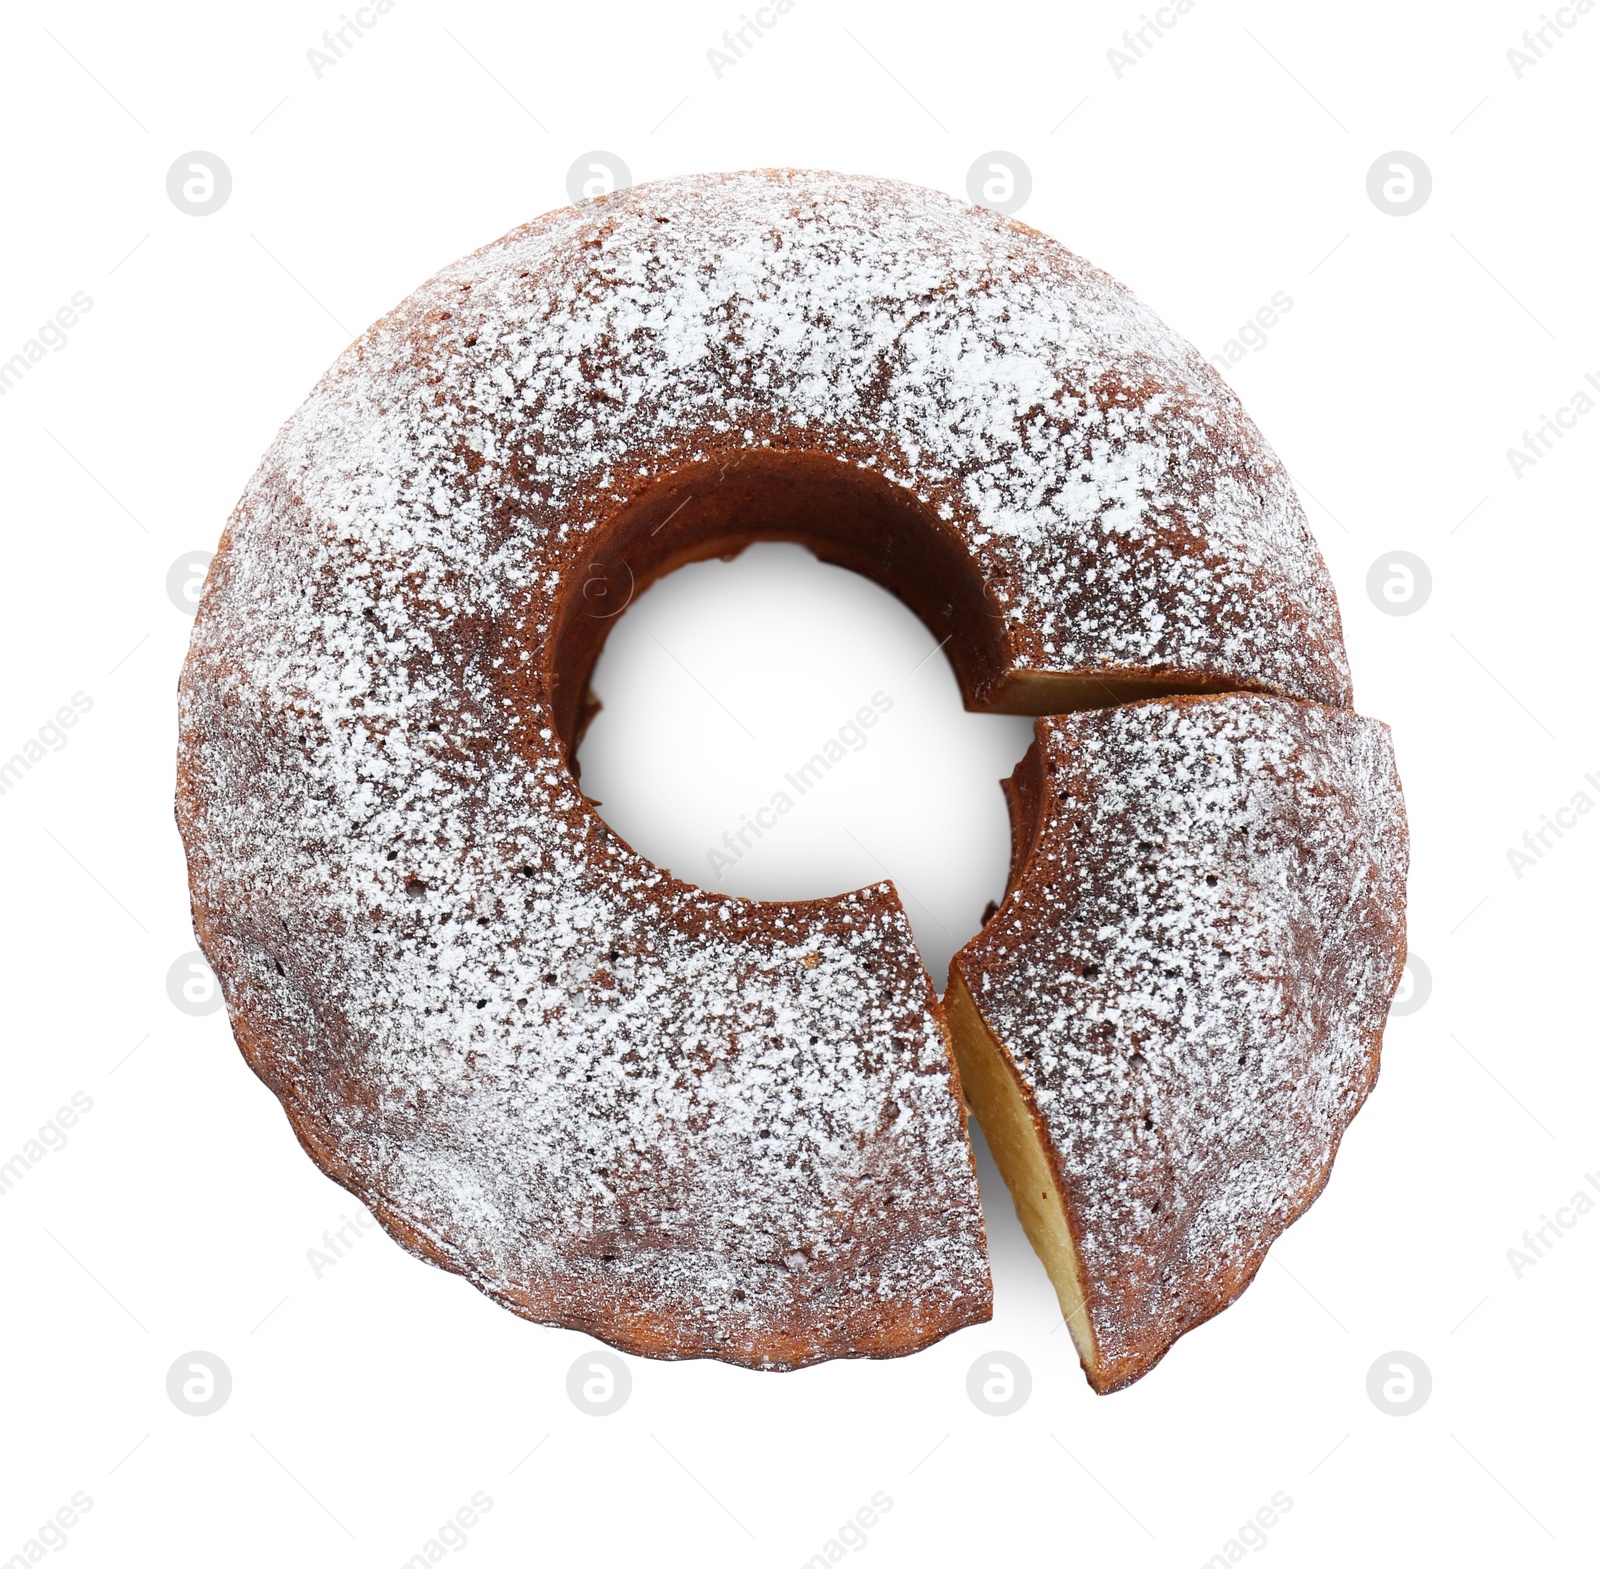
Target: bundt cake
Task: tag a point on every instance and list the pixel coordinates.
(693, 1125)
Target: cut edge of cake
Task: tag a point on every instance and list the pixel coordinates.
(1018, 1142)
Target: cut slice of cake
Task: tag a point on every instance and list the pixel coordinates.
(1176, 1011)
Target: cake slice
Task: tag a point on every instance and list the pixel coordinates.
(1173, 1016)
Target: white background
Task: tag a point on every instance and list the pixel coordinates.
(1228, 164)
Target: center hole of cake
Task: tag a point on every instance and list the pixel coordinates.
(776, 728)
